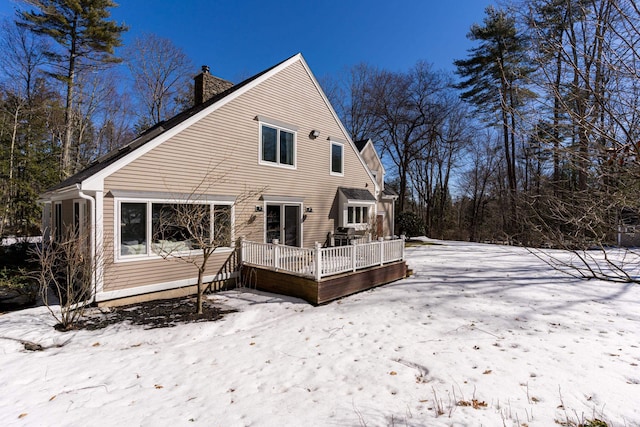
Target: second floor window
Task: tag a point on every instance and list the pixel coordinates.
(277, 146)
(337, 158)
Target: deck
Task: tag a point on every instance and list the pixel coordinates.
(320, 275)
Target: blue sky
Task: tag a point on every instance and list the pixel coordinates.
(238, 38)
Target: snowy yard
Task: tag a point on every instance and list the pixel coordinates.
(480, 335)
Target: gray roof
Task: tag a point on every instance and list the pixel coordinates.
(387, 191)
(151, 133)
(357, 194)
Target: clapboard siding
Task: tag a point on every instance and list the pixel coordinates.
(219, 155)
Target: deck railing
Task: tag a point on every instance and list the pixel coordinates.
(320, 262)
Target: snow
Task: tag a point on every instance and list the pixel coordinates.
(476, 324)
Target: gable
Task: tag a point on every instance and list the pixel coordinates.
(288, 92)
(224, 142)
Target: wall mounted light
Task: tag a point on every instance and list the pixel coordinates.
(258, 208)
(314, 134)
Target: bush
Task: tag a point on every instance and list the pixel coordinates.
(17, 255)
(409, 224)
(17, 289)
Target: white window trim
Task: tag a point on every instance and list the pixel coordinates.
(282, 202)
(341, 145)
(150, 254)
(279, 126)
(371, 212)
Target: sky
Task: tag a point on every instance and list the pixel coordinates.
(239, 38)
(480, 335)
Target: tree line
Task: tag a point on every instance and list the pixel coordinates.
(65, 98)
(533, 139)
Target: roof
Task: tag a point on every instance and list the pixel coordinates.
(357, 194)
(102, 162)
(389, 192)
(361, 144)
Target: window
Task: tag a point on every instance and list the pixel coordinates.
(222, 225)
(133, 229)
(152, 228)
(57, 221)
(179, 227)
(357, 215)
(337, 158)
(277, 146)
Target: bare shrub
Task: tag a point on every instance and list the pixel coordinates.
(65, 277)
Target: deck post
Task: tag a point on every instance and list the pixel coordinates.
(276, 254)
(354, 246)
(403, 237)
(317, 255)
(381, 243)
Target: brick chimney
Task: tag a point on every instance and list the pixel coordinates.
(207, 86)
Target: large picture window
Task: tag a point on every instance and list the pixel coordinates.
(153, 228)
(277, 146)
(179, 227)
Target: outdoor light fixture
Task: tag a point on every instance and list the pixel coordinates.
(308, 209)
(258, 208)
(314, 134)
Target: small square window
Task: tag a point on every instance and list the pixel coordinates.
(277, 146)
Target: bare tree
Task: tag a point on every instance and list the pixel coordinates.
(84, 37)
(484, 155)
(25, 98)
(191, 229)
(101, 112)
(407, 114)
(589, 68)
(160, 71)
(66, 275)
(431, 172)
(351, 96)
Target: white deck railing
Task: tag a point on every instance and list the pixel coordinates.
(320, 262)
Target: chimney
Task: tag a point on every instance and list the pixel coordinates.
(207, 86)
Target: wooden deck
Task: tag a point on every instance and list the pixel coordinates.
(323, 290)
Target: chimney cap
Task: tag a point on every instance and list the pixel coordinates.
(205, 69)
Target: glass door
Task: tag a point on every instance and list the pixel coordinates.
(283, 223)
(273, 223)
(292, 225)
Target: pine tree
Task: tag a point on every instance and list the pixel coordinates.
(493, 80)
(84, 36)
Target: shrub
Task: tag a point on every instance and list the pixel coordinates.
(410, 224)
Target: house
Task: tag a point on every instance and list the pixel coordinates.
(629, 228)
(274, 135)
(385, 220)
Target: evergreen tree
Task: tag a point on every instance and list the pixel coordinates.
(494, 76)
(84, 36)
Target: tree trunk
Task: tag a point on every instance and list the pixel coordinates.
(200, 291)
(68, 110)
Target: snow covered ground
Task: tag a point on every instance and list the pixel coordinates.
(480, 335)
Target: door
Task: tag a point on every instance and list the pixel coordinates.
(380, 226)
(283, 223)
(292, 225)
